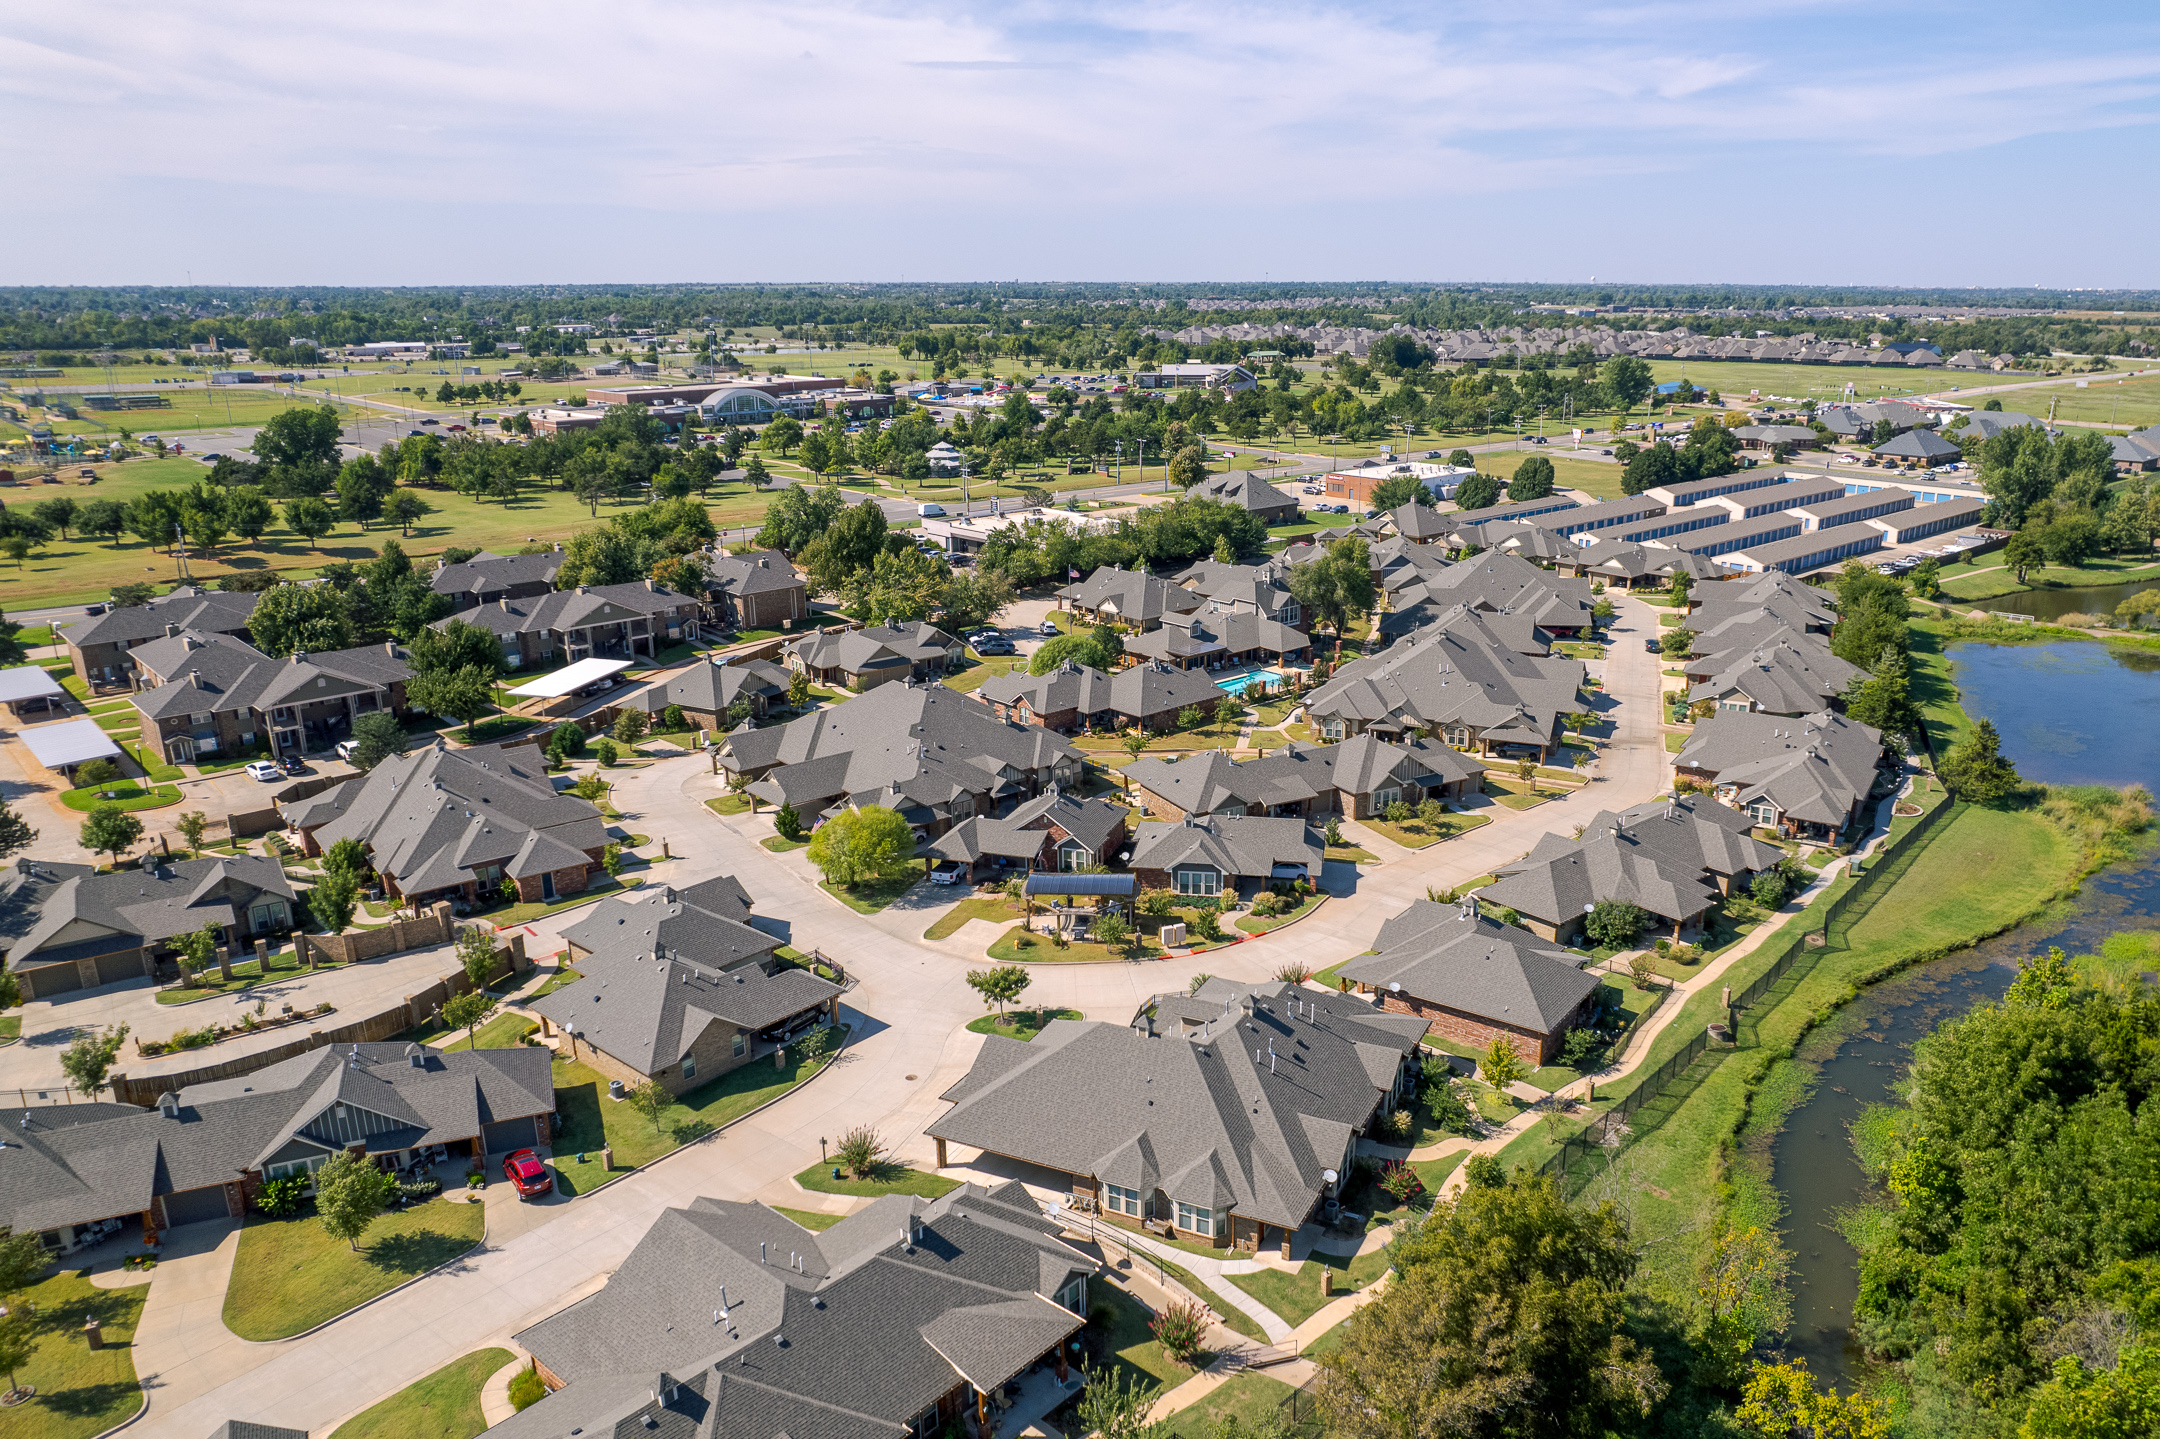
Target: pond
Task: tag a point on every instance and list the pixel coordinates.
(2053, 604)
(2071, 712)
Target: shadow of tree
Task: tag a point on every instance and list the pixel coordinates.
(690, 1130)
(416, 1253)
(88, 1401)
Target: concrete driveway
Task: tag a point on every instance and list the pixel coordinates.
(910, 1043)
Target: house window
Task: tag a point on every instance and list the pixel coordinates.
(1199, 881)
(742, 1044)
(963, 806)
(1331, 729)
(297, 1166)
(487, 873)
(1383, 799)
(1121, 1200)
(1072, 856)
(1763, 812)
(265, 916)
(1074, 1295)
(1291, 613)
(1195, 1220)
(689, 1066)
(1459, 736)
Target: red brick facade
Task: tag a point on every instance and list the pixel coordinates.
(1478, 1032)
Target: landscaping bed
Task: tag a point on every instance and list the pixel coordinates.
(1021, 1024)
(1261, 924)
(289, 1275)
(127, 796)
(206, 1035)
(891, 1179)
(1418, 833)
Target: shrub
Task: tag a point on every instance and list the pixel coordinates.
(1484, 1171)
(1398, 1124)
(1267, 905)
(1206, 922)
(420, 1188)
(1582, 1049)
(1432, 811)
(1400, 1180)
(1179, 1327)
(282, 1198)
(788, 823)
(527, 1390)
(1295, 971)
(1112, 929)
(861, 1152)
(1157, 902)
(671, 719)
(605, 752)
(568, 742)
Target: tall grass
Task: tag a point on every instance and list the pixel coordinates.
(2105, 821)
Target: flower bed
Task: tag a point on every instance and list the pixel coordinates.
(210, 1034)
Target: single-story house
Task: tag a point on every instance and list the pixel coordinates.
(1216, 639)
(1236, 855)
(1806, 778)
(1132, 598)
(879, 654)
(1053, 831)
(589, 622)
(1474, 980)
(1250, 493)
(1074, 696)
(1359, 778)
(706, 692)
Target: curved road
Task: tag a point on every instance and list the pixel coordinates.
(911, 1043)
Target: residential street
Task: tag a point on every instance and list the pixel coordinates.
(910, 1044)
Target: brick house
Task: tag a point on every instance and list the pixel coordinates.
(706, 692)
(486, 578)
(215, 696)
(757, 591)
(99, 645)
(1052, 831)
(875, 655)
(691, 991)
(447, 824)
(1225, 855)
(1474, 980)
(589, 622)
(1075, 696)
(1359, 778)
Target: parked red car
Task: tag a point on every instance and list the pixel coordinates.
(527, 1174)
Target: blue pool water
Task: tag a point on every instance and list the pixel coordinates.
(1240, 683)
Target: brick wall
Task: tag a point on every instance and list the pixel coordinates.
(1478, 1032)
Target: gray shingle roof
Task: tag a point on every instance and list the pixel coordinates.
(649, 1011)
(189, 608)
(98, 913)
(429, 817)
(79, 1163)
(490, 574)
(1455, 670)
(1210, 780)
(1245, 490)
(1135, 595)
(1237, 845)
(1814, 768)
(1211, 634)
(759, 572)
(1199, 1118)
(770, 1329)
(196, 673)
(1790, 675)
(1452, 955)
(710, 688)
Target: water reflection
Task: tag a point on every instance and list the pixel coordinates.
(2070, 713)
(2054, 604)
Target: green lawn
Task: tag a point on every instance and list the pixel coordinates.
(872, 895)
(1017, 946)
(779, 844)
(1352, 854)
(602, 887)
(444, 1405)
(557, 980)
(289, 1276)
(813, 1220)
(1959, 584)
(1418, 833)
(895, 1179)
(1020, 1024)
(592, 1121)
(1258, 924)
(968, 680)
(504, 1031)
(1297, 1297)
(247, 973)
(127, 795)
(80, 1393)
(1247, 1399)
(729, 804)
(993, 907)
(1133, 1348)
(1432, 1173)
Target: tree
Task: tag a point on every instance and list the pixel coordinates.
(863, 843)
(1337, 586)
(787, 823)
(454, 646)
(201, 947)
(22, 1260)
(974, 599)
(1500, 1065)
(56, 514)
(1181, 1326)
(631, 726)
(405, 509)
(376, 737)
(1677, 641)
(2082, 1403)
(798, 689)
(1392, 494)
(333, 900)
(1000, 986)
(468, 1011)
(1115, 1404)
(861, 1152)
(798, 515)
(1534, 478)
(652, 1100)
(299, 437)
(1188, 467)
(1975, 769)
(348, 1196)
(311, 519)
(476, 951)
(1627, 379)
(1615, 924)
(1780, 1400)
(1507, 1320)
(2022, 552)
(1873, 609)
(90, 1058)
(463, 694)
(292, 619)
(18, 1342)
(248, 513)
(110, 830)
(1477, 492)
(15, 831)
(1080, 649)
(852, 542)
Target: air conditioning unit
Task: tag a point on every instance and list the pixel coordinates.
(1173, 935)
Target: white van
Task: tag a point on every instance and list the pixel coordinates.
(929, 512)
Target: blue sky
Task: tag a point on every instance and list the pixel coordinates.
(400, 143)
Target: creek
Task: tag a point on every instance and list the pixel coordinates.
(2071, 712)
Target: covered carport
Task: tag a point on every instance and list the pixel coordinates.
(65, 747)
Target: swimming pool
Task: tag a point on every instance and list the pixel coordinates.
(1238, 684)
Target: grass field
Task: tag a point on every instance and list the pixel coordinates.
(892, 1179)
(2105, 400)
(80, 1391)
(1248, 1399)
(444, 1405)
(1297, 1297)
(219, 408)
(290, 1276)
(1980, 871)
(1986, 584)
(1020, 1024)
(78, 569)
(1598, 477)
(1735, 379)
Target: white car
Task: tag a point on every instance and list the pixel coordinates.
(266, 771)
(345, 748)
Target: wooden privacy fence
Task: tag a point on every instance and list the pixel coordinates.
(386, 1023)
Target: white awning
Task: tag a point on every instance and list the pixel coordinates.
(28, 682)
(570, 678)
(76, 741)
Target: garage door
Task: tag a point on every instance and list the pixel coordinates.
(49, 979)
(509, 1134)
(194, 1206)
(122, 964)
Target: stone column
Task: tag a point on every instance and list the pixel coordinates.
(303, 952)
(224, 962)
